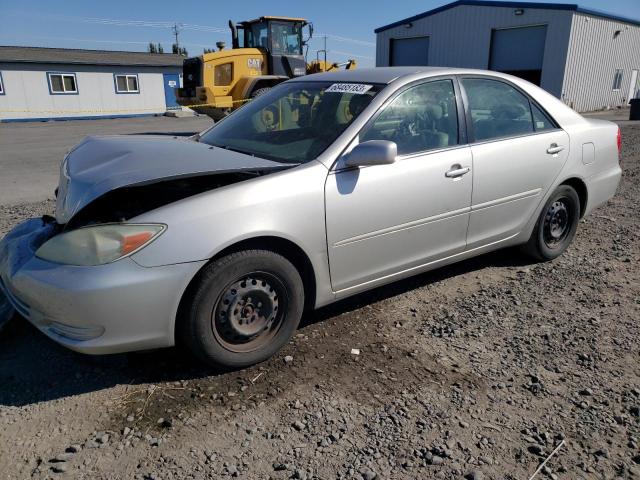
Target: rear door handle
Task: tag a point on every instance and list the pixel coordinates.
(457, 171)
(554, 148)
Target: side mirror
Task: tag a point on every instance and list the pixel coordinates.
(372, 152)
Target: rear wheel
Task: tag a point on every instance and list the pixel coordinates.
(243, 309)
(556, 226)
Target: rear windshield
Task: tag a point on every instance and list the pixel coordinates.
(294, 122)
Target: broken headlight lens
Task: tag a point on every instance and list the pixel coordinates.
(99, 244)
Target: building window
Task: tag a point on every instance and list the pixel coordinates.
(617, 79)
(1, 85)
(62, 83)
(127, 83)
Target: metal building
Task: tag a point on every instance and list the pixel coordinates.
(55, 83)
(589, 59)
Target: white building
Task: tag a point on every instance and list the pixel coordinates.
(55, 83)
(589, 59)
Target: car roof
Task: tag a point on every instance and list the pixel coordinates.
(384, 75)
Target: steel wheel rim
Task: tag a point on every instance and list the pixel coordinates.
(557, 223)
(249, 312)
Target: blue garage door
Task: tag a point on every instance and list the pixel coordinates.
(171, 82)
(519, 51)
(409, 52)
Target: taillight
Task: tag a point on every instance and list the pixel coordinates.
(619, 140)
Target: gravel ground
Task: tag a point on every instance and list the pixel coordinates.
(475, 371)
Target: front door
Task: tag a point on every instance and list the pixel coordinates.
(517, 153)
(385, 220)
(171, 82)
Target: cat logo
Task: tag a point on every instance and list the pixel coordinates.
(254, 63)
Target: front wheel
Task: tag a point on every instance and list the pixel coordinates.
(243, 309)
(556, 225)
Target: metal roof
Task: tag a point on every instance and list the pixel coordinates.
(12, 54)
(490, 3)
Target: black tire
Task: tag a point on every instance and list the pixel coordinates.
(223, 326)
(556, 226)
(260, 91)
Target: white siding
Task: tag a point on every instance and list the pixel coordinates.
(461, 37)
(27, 92)
(594, 55)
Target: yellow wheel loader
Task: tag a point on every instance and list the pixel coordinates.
(264, 52)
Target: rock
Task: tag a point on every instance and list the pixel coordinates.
(368, 474)
(535, 449)
(91, 444)
(279, 467)
(437, 460)
(288, 359)
(298, 425)
(59, 468)
(474, 475)
(165, 423)
(75, 448)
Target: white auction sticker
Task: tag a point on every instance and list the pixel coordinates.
(357, 88)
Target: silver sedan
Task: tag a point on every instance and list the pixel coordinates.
(326, 186)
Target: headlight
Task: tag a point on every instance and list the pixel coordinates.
(99, 244)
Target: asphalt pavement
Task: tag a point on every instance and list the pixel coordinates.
(31, 152)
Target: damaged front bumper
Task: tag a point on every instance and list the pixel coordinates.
(112, 308)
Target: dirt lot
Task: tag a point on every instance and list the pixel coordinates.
(475, 371)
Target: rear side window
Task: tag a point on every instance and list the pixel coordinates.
(497, 109)
(541, 120)
(421, 118)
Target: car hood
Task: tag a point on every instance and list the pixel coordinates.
(100, 164)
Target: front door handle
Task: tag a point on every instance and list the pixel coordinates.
(554, 148)
(457, 171)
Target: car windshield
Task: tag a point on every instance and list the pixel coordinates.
(293, 123)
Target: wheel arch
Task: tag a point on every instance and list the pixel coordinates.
(262, 81)
(581, 189)
(282, 246)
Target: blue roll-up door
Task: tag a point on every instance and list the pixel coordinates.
(519, 51)
(409, 52)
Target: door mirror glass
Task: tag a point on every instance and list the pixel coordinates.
(373, 152)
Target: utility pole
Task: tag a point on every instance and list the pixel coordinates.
(176, 32)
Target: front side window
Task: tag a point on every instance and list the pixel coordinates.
(497, 109)
(61, 83)
(127, 84)
(294, 122)
(421, 118)
(286, 39)
(617, 79)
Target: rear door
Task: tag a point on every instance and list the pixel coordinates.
(517, 150)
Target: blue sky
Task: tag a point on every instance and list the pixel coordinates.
(130, 25)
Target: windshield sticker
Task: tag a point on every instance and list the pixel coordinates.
(356, 88)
